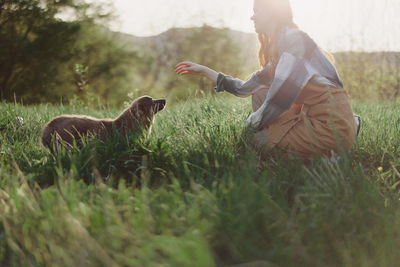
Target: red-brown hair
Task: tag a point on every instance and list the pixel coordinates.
(268, 52)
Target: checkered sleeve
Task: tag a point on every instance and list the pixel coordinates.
(237, 87)
(291, 76)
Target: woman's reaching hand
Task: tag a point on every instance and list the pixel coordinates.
(187, 67)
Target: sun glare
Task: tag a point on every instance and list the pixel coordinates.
(334, 24)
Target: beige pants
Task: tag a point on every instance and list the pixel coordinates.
(325, 123)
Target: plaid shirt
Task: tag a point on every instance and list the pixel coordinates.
(300, 62)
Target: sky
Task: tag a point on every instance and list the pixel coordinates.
(336, 25)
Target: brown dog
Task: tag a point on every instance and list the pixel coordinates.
(68, 128)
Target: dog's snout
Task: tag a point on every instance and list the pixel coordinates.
(159, 104)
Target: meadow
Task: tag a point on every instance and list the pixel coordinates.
(195, 193)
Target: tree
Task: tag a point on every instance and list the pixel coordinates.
(38, 50)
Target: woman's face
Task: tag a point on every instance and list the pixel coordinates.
(263, 21)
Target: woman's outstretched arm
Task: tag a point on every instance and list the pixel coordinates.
(187, 67)
(237, 87)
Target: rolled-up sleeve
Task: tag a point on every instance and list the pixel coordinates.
(237, 87)
(291, 76)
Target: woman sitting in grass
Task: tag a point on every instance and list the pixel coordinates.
(299, 103)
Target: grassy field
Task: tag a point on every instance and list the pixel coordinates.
(195, 194)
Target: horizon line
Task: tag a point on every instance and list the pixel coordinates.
(244, 32)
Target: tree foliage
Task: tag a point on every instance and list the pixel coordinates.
(39, 50)
(42, 56)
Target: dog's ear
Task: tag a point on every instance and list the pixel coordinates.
(138, 112)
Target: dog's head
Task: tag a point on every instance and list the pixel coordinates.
(144, 108)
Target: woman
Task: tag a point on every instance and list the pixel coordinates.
(299, 103)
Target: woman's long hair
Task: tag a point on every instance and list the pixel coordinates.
(283, 14)
(268, 52)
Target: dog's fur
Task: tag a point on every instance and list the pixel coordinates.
(67, 128)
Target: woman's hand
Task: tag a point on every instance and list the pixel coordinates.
(254, 119)
(187, 67)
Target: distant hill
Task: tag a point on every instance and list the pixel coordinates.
(374, 58)
(247, 41)
(366, 75)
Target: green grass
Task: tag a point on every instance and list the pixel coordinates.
(195, 194)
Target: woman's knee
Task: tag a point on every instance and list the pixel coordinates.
(261, 138)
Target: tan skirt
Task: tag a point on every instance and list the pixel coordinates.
(320, 122)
